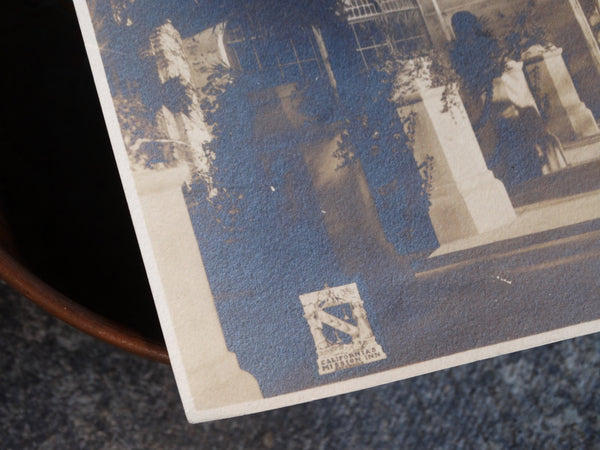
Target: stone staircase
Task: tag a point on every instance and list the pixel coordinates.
(573, 180)
(525, 253)
(583, 150)
(572, 193)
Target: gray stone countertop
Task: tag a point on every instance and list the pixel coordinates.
(61, 389)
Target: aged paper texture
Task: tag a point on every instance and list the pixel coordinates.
(335, 194)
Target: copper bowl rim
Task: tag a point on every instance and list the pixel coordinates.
(22, 280)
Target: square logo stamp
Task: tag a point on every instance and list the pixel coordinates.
(341, 343)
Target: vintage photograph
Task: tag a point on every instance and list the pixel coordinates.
(334, 194)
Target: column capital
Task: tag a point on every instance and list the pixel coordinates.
(539, 52)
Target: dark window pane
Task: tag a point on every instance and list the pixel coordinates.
(371, 58)
(413, 46)
(383, 53)
(265, 54)
(369, 34)
(408, 24)
(234, 34)
(284, 51)
(246, 57)
(311, 70)
(292, 72)
(304, 47)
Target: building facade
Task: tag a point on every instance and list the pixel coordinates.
(556, 81)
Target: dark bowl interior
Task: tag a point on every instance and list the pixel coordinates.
(69, 235)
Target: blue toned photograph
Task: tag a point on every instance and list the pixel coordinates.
(350, 192)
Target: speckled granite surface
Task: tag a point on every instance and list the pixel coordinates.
(60, 389)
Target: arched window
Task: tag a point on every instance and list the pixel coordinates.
(384, 27)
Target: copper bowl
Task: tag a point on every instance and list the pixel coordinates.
(66, 238)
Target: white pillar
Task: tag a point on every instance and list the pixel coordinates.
(438, 25)
(551, 84)
(212, 371)
(588, 35)
(466, 198)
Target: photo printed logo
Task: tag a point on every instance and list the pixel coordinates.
(351, 341)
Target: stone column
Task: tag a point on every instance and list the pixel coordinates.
(565, 114)
(212, 371)
(466, 198)
(438, 24)
(588, 35)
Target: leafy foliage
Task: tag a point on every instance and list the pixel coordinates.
(478, 57)
(381, 141)
(265, 213)
(136, 127)
(362, 106)
(525, 33)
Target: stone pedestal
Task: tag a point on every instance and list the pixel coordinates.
(466, 198)
(565, 114)
(212, 371)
